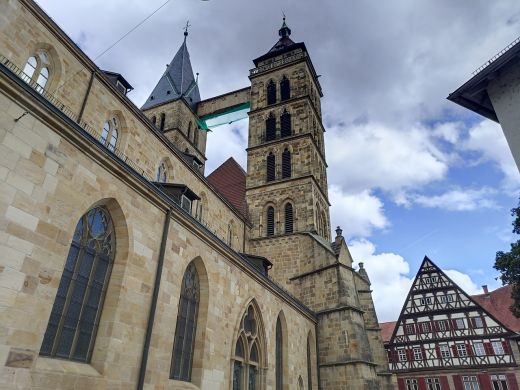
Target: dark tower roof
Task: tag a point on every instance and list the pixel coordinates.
(177, 82)
(283, 44)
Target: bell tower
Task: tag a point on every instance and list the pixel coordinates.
(286, 168)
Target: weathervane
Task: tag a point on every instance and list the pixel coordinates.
(188, 25)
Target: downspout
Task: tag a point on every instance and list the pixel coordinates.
(92, 76)
(318, 357)
(155, 295)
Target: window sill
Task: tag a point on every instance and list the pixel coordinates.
(177, 384)
(65, 366)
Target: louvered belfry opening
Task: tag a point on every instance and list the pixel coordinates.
(271, 167)
(285, 89)
(271, 92)
(270, 221)
(270, 128)
(286, 124)
(289, 220)
(286, 164)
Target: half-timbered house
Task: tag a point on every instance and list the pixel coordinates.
(444, 339)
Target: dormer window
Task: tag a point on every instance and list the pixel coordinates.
(186, 204)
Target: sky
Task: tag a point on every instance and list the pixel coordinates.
(410, 173)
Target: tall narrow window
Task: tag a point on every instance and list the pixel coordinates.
(230, 233)
(271, 92)
(154, 120)
(76, 311)
(30, 68)
(109, 134)
(271, 167)
(309, 364)
(163, 119)
(184, 341)
(270, 221)
(279, 355)
(196, 137)
(42, 79)
(288, 218)
(285, 89)
(247, 353)
(270, 128)
(162, 172)
(285, 120)
(286, 164)
(189, 132)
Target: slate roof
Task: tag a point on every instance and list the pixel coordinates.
(229, 179)
(177, 82)
(496, 303)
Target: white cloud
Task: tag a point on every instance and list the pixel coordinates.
(488, 140)
(463, 281)
(226, 141)
(357, 214)
(388, 275)
(457, 200)
(391, 159)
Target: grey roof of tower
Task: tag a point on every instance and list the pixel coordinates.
(177, 82)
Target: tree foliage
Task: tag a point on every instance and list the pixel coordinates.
(508, 263)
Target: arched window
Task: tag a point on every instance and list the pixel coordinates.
(286, 164)
(36, 71)
(184, 341)
(285, 120)
(162, 173)
(289, 223)
(285, 89)
(309, 364)
(271, 167)
(270, 128)
(271, 92)
(247, 356)
(163, 119)
(189, 132)
(109, 134)
(270, 221)
(154, 120)
(279, 355)
(76, 311)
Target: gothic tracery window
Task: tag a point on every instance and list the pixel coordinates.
(184, 340)
(285, 89)
(109, 134)
(271, 92)
(75, 315)
(247, 357)
(36, 70)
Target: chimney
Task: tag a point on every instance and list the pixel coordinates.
(485, 288)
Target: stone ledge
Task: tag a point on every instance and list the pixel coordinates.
(348, 362)
(64, 366)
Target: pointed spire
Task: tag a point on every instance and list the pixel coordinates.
(284, 31)
(178, 81)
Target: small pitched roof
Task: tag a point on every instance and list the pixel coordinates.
(177, 82)
(387, 328)
(229, 179)
(497, 303)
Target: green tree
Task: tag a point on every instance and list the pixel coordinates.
(508, 263)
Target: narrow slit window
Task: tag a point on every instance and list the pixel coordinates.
(271, 167)
(163, 119)
(270, 221)
(286, 164)
(288, 218)
(285, 120)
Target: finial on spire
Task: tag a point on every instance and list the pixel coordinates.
(185, 28)
(284, 30)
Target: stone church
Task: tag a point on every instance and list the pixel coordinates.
(125, 266)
